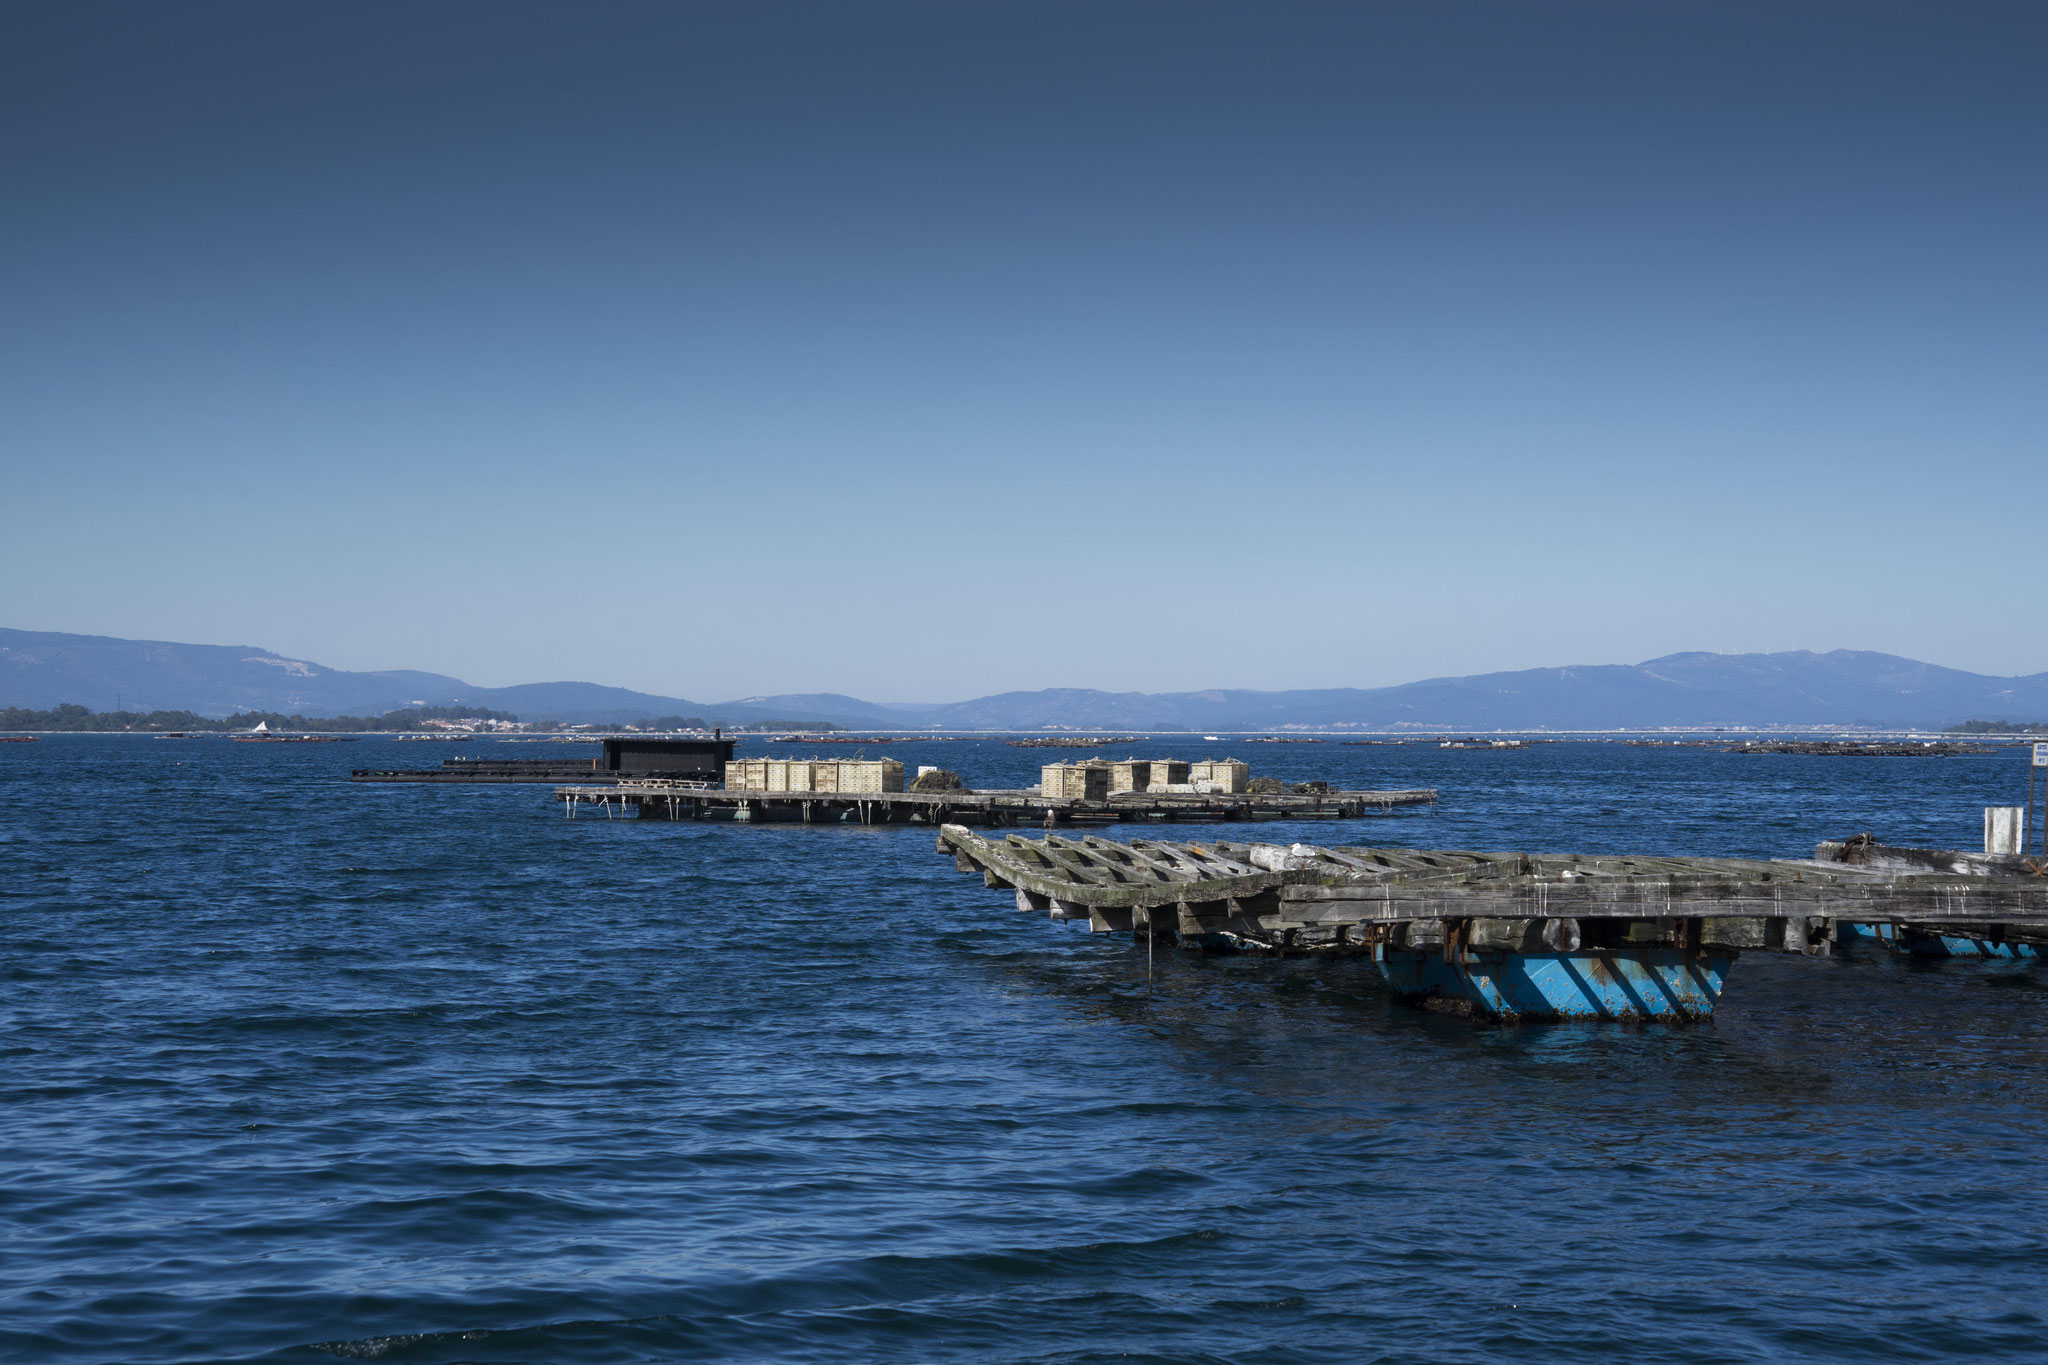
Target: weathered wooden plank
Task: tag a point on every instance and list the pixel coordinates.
(1197, 862)
(1059, 877)
(1140, 856)
(1718, 897)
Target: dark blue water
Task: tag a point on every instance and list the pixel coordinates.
(294, 1070)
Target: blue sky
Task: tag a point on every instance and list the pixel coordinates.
(921, 352)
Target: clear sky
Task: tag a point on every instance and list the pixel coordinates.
(920, 352)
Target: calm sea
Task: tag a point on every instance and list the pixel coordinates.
(293, 1070)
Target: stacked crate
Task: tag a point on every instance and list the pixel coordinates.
(1075, 781)
(746, 775)
(1166, 774)
(869, 776)
(866, 776)
(1131, 775)
(1226, 774)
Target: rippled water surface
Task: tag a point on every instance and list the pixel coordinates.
(296, 1070)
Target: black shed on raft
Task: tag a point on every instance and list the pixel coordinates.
(1515, 936)
(700, 760)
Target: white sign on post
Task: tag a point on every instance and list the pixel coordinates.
(2041, 755)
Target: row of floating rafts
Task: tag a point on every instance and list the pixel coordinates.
(1099, 779)
(1091, 780)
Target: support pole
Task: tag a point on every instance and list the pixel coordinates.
(2026, 831)
(1148, 950)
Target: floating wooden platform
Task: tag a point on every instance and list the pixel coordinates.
(623, 758)
(1512, 935)
(687, 801)
(491, 770)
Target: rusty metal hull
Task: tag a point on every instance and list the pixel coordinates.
(1621, 983)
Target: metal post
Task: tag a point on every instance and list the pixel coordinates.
(2035, 756)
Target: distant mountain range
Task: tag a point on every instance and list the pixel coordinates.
(1845, 687)
(43, 669)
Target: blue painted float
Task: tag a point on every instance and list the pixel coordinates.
(1622, 983)
(1919, 944)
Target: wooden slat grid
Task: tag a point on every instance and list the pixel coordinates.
(1362, 885)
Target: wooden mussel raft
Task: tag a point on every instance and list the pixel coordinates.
(652, 799)
(1945, 938)
(1510, 935)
